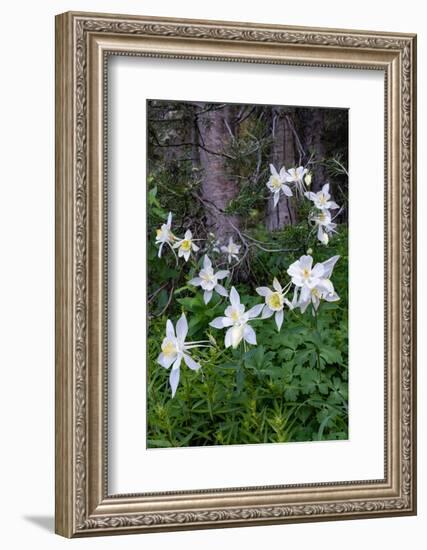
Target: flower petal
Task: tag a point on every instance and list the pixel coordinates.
(331, 297)
(181, 328)
(174, 376)
(273, 170)
(328, 266)
(207, 296)
(305, 294)
(326, 286)
(305, 262)
(263, 291)
(197, 281)
(234, 297)
(318, 271)
(221, 290)
(169, 222)
(236, 334)
(249, 335)
(166, 360)
(294, 270)
(276, 285)
(266, 312)
(218, 322)
(255, 311)
(222, 274)
(160, 250)
(206, 262)
(227, 339)
(170, 331)
(193, 365)
(279, 319)
(287, 190)
(276, 198)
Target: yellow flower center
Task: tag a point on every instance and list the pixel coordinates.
(169, 348)
(207, 277)
(322, 217)
(275, 183)
(275, 301)
(306, 273)
(322, 199)
(315, 292)
(234, 315)
(186, 245)
(159, 232)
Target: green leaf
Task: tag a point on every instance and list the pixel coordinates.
(322, 427)
(291, 394)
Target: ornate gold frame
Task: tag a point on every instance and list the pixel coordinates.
(83, 42)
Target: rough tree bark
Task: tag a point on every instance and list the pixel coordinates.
(283, 154)
(215, 130)
(313, 124)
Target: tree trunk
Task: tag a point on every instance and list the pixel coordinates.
(283, 154)
(218, 188)
(313, 122)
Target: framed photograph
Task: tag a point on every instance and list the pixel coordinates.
(235, 274)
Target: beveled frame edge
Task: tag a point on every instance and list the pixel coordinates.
(82, 505)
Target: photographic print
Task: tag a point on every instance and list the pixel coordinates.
(247, 263)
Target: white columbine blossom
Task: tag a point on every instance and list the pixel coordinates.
(175, 349)
(186, 245)
(314, 282)
(303, 273)
(274, 302)
(277, 184)
(208, 280)
(325, 225)
(322, 199)
(164, 235)
(236, 321)
(297, 177)
(232, 250)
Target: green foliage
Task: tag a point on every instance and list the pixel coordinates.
(291, 387)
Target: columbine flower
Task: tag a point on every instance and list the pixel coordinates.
(208, 280)
(322, 290)
(276, 184)
(164, 235)
(237, 320)
(186, 245)
(296, 176)
(274, 302)
(303, 274)
(175, 349)
(322, 199)
(232, 250)
(325, 225)
(214, 243)
(314, 282)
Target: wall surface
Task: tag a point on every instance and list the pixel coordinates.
(27, 274)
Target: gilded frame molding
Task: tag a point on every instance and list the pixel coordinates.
(83, 43)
